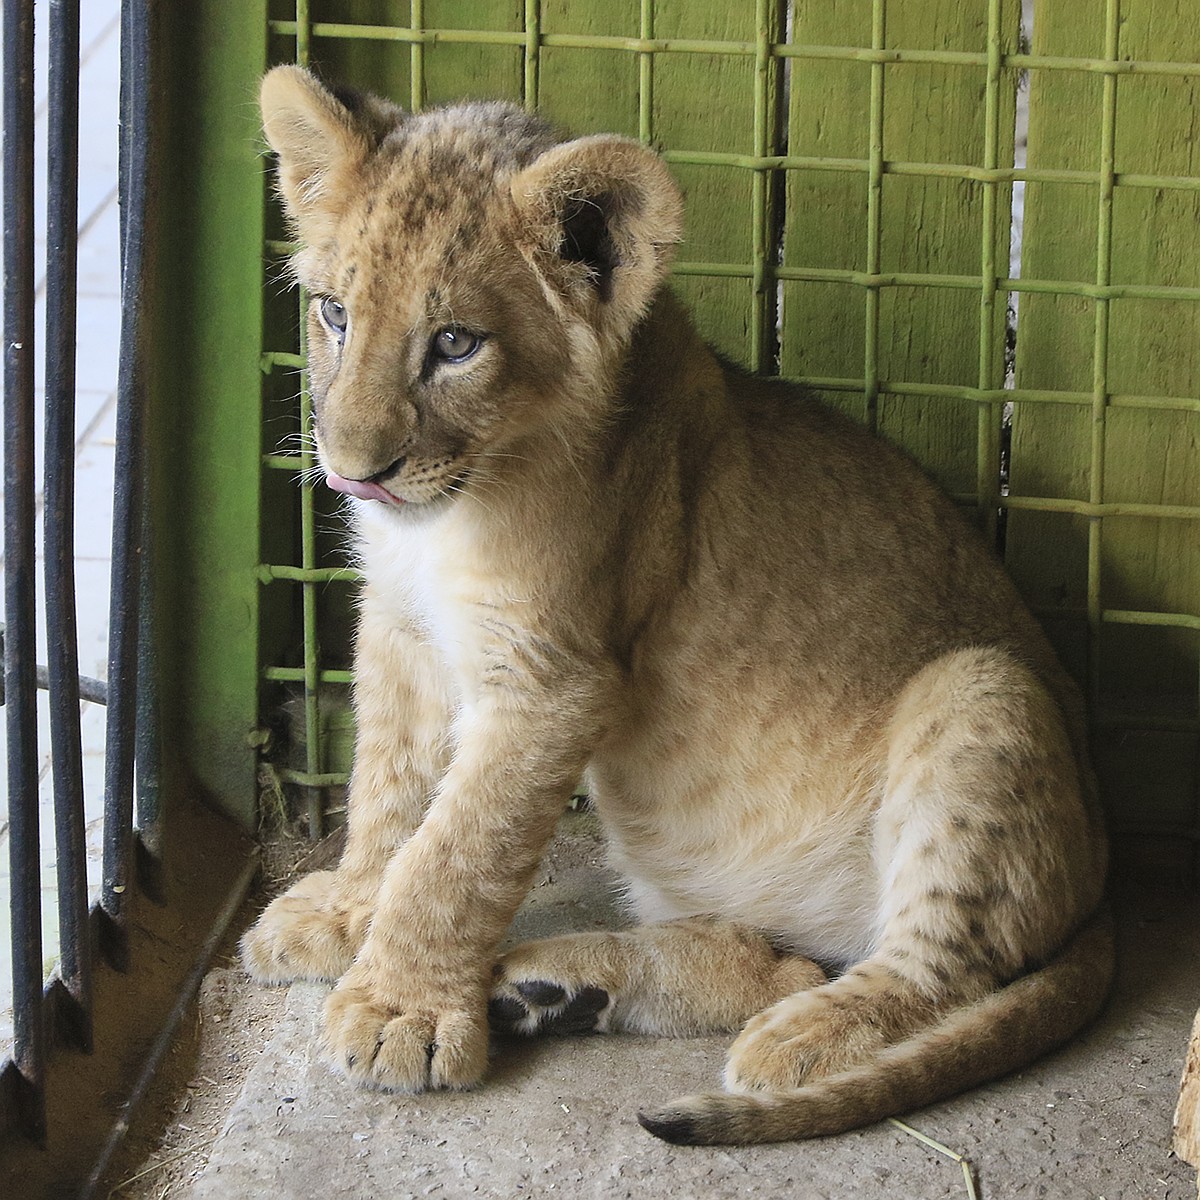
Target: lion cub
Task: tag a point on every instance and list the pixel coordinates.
(817, 721)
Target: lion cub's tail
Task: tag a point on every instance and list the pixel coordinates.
(1002, 1032)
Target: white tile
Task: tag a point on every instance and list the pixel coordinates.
(97, 342)
(94, 499)
(92, 577)
(99, 269)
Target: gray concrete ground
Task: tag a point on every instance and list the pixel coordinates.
(556, 1117)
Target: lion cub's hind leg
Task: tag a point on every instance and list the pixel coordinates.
(983, 851)
(314, 930)
(674, 979)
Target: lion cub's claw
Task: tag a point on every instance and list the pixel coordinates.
(409, 1050)
(540, 1006)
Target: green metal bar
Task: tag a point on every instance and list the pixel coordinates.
(874, 222)
(312, 780)
(649, 45)
(312, 700)
(1096, 510)
(928, 170)
(964, 171)
(646, 74)
(1104, 226)
(988, 430)
(296, 675)
(533, 53)
(987, 465)
(302, 28)
(268, 572)
(417, 57)
(1122, 616)
(762, 324)
(278, 358)
(950, 391)
(1057, 287)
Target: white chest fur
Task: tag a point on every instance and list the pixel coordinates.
(409, 565)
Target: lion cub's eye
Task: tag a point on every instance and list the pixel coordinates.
(335, 316)
(454, 344)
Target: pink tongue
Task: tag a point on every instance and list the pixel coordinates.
(361, 488)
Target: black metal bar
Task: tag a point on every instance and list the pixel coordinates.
(94, 691)
(151, 876)
(62, 222)
(29, 1051)
(120, 734)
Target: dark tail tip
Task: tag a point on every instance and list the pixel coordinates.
(672, 1126)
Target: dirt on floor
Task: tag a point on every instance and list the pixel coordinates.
(229, 1026)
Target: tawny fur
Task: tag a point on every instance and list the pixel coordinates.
(817, 721)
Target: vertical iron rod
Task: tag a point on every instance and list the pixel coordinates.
(147, 752)
(29, 1051)
(62, 220)
(116, 891)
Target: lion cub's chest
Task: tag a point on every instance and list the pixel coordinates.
(419, 572)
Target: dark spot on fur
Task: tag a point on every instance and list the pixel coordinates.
(944, 975)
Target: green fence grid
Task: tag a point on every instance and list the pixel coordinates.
(753, 99)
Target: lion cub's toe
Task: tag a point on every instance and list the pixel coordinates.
(402, 1048)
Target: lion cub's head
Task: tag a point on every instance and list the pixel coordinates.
(473, 282)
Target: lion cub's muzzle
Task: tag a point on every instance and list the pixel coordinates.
(408, 480)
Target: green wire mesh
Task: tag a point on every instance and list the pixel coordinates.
(404, 48)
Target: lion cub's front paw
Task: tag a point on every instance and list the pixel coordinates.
(312, 931)
(400, 1046)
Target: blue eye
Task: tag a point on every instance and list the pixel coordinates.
(454, 344)
(335, 316)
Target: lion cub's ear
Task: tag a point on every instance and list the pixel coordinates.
(322, 137)
(600, 217)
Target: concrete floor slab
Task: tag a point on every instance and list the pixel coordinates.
(557, 1116)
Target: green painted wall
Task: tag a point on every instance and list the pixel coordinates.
(204, 324)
